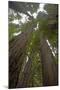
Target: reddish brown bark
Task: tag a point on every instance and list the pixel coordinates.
(49, 68)
(16, 56)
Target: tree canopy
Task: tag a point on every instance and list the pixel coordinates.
(33, 44)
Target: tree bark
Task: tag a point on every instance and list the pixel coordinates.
(49, 69)
(16, 56)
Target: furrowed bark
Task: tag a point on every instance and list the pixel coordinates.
(16, 56)
(49, 69)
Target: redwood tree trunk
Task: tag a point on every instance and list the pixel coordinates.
(16, 56)
(49, 69)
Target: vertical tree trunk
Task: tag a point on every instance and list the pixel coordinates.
(49, 69)
(25, 75)
(16, 58)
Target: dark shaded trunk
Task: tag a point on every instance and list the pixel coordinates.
(49, 68)
(16, 56)
(14, 71)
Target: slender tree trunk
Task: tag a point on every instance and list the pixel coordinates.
(49, 69)
(25, 75)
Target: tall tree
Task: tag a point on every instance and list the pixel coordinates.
(17, 46)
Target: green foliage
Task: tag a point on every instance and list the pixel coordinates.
(37, 70)
(52, 10)
(33, 43)
(12, 30)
